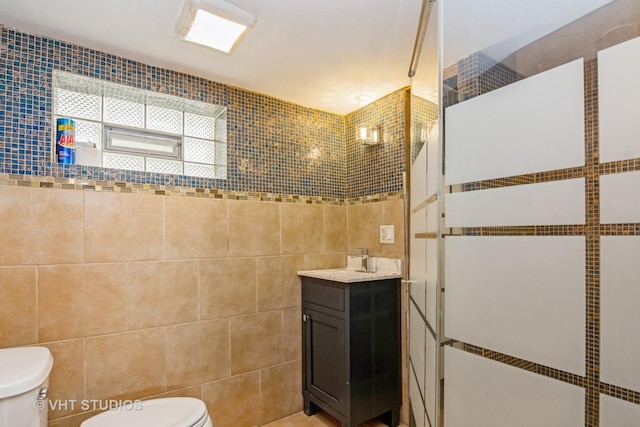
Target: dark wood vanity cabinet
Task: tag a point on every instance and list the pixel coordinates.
(351, 349)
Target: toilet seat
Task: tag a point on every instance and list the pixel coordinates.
(165, 412)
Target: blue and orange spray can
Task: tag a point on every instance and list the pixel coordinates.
(66, 141)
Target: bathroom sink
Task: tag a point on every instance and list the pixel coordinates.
(390, 269)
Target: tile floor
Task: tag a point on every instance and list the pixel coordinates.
(321, 419)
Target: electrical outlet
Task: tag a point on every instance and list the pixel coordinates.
(387, 234)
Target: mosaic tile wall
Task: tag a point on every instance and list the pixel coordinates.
(377, 169)
(423, 116)
(279, 147)
(479, 74)
(592, 230)
(274, 146)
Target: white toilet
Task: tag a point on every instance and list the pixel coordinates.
(24, 381)
(165, 412)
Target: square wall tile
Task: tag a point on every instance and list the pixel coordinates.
(123, 227)
(18, 324)
(364, 227)
(195, 228)
(292, 333)
(125, 366)
(278, 282)
(254, 228)
(161, 293)
(335, 228)
(324, 261)
(233, 402)
(281, 390)
(256, 341)
(66, 381)
(302, 230)
(197, 353)
(195, 392)
(41, 226)
(77, 301)
(227, 287)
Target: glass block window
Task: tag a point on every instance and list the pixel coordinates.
(80, 105)
(164, 166)
(221, 171)
(199, 126)
(199, 150)
(121, 161)
(221, 154)
(195, 169)
(143, 130)
(164, 119)
(122, 112)
(90, 132)
(135, 141)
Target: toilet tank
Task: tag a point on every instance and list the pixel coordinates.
(24, 378)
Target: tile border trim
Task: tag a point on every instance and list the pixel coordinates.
(17, 180)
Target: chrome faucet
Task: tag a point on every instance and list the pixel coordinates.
(364, 259)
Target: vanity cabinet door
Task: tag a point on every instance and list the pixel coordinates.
(324, 352)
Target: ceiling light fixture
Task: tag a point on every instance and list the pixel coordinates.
(214, 23)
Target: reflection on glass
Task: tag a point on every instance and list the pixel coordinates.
(488, 46)
(423, 242)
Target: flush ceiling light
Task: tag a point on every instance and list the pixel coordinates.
(214, 23)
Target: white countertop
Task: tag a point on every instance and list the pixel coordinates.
(387, 268)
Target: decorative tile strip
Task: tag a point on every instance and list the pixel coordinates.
(172, 191)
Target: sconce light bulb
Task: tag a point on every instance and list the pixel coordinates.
(362, 132)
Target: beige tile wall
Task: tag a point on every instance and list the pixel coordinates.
(364, 222)
(141, 296)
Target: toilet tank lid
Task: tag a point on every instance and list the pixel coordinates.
(23, 369)
(162, 412)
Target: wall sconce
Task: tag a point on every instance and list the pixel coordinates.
(421, 131)
(424, 133)
(367, 135)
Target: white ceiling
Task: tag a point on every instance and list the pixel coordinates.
(334, 55)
